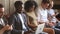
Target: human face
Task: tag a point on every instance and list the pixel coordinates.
(51, 4)
(20, 8)
(1, 12)
(32, 8)
(46, 5)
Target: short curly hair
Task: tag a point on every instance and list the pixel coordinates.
(17, 4)
(58, 15)
(29, 4)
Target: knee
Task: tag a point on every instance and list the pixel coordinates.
(49, 30)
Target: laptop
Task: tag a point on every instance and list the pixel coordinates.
(40, 28)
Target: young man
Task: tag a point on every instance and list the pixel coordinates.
(58, 21)
(18, 20)
(42, 11)
(51, 15)
(4, 27)
(57, 27)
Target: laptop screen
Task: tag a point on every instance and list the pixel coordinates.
(40, 28)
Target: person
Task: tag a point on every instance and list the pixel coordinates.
(58, 21)
(29, 7)
(57, 26)
(42, 16)
(42, 11)
(18, 20)
(4, 27)
(51, 15)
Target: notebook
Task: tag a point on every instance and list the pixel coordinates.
(39, 28)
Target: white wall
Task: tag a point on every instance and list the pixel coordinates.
(9, 5)
(38, 1)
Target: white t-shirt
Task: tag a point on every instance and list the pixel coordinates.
(42, 15)
(51, 13)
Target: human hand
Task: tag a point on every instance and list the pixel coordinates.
(10, 27)
(51, 24)
(6, 27)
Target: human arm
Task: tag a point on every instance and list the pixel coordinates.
(14, 22)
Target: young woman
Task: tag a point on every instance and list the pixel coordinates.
(30, 7)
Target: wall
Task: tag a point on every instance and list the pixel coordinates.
(9, 5)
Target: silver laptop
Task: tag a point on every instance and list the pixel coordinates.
(40, 28)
